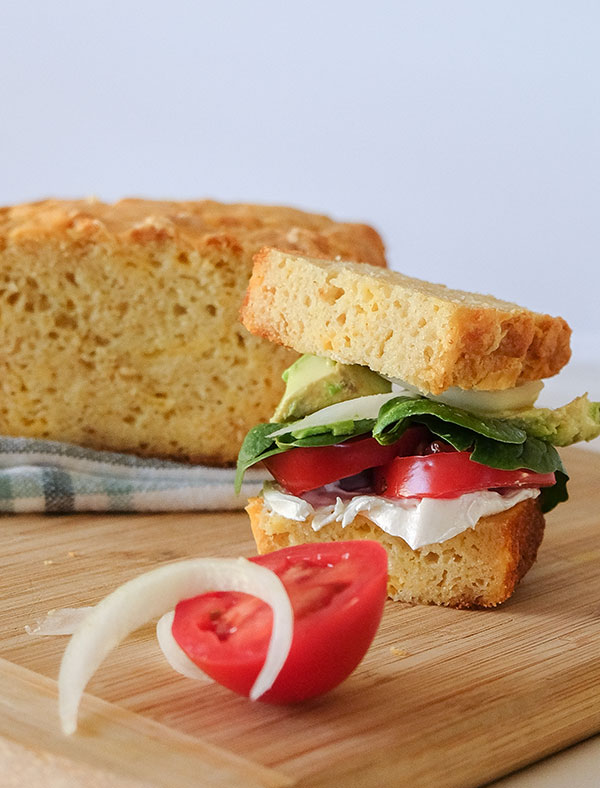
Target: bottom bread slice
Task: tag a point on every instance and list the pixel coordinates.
(479, 567)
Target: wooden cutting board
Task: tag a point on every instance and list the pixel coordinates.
(444, 697)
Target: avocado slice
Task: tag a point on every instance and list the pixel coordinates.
(579, 420)
(313, 383)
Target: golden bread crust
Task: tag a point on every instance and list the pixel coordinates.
(479, 567)
(427, 335)
(200, 225)
(119, 323)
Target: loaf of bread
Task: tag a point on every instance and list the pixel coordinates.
(424, 334)
(479, 567)
(119, 323)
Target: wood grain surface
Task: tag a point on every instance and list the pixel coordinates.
(444, 697)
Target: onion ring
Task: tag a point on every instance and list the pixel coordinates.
(173, 653)
(154, 593)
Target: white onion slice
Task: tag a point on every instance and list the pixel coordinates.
(366, 407)
(151, 595)
(490, 402)
(173, 653)
(482, 401)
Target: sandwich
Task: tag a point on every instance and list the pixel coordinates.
(410, 419)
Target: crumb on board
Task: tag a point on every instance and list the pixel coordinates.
(399, 652)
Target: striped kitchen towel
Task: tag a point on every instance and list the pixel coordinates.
(46, 476)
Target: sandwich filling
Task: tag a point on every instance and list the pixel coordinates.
(420, 467)
(419, 521)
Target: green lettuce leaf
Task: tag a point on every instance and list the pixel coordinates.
(534, 454)
(552, 496)
(313, 436)
(491, 441)
(257, 446)
(390, 422)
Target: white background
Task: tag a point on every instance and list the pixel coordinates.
(468, 133)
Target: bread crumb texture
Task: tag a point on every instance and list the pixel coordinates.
(425, 334)
(119, 323)
(480, 567)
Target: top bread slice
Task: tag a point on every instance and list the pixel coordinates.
(119, 322)
(427, 335)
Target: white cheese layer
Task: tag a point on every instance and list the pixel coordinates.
(419, 521)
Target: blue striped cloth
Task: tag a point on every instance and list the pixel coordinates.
(46, 476)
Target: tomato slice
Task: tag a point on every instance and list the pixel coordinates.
(337, 592)
(306, 468)
(448, 475)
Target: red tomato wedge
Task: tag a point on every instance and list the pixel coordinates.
(337, 590)
(448, 475)
(303, 469)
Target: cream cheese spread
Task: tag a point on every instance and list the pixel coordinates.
(419, 521)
